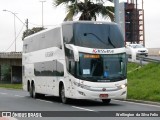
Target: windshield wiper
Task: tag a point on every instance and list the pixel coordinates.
(93, 68)
(85, 34)
(111, 42)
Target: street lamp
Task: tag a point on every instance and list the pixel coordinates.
(14, 25)
(42, 11)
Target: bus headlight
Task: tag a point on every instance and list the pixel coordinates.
(82, 86)
(122, 86)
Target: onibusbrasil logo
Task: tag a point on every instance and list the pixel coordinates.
(103, 51)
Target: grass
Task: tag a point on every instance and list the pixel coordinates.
(144, 83)
(13, 86)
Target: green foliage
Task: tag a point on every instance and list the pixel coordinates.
(144, 83)
(31, 31)
(5, 72)
(88, 9)
(132, 67)
(12, 86)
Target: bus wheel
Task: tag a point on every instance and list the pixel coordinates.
(62, 95)
(106, 101)
(31, 91)
(33, 94)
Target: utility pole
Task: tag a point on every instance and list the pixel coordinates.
(26, 24)
(15, 16)
(137, 24)
(42, 12)
(143, 24)
(116, 11)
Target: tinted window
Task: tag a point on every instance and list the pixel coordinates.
(44, 40)
(104, 36)
(67, 33)
(96, 68)
(49, 68)
(70, 63)
(98, 36)
(60, 69)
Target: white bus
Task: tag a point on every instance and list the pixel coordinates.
(76, 60)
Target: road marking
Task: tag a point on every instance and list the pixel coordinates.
(44, 101)
(139, 103)
(18, 96)
(3, 93)
(14, 95)
(82, 108)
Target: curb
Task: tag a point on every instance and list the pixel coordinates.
(141, 101)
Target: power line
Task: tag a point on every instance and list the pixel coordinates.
(14, 40)
(34, 24)
(40, 25)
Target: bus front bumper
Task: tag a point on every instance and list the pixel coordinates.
(101, 93)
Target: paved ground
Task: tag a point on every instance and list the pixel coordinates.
(18, 100)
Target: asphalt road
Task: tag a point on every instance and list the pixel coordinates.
(18, 100)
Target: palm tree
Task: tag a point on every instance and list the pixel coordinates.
(88, 9)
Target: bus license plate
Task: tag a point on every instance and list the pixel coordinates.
(103, 96)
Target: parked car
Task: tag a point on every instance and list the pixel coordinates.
(136, 48)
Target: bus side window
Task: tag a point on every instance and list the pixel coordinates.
(72, 67)
(59, 69)
(70, 63)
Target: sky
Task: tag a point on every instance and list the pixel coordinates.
(32, 10)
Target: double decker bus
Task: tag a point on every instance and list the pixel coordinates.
(76, 60)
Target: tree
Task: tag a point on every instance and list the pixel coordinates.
(31, 31)
(89, 10)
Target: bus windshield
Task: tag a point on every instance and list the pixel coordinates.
(102, 68)
(98, 36)
(91, 35)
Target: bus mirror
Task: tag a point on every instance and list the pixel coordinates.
(75, 51)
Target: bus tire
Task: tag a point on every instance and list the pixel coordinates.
(33, 94)
(62, 95)
(31, 91)
(106, 101)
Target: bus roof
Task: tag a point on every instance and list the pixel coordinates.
(70, 22)
(90, 22)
